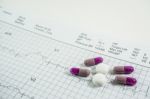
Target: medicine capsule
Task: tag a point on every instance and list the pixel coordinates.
(126, 80)
(93, 61)
(83, 72)
(123, 69)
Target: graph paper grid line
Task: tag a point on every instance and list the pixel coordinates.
(34, 66)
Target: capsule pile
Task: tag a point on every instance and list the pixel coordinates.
(99, 70)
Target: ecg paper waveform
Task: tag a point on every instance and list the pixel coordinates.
(34, 66)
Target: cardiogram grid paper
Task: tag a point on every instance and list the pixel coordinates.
(36, 67)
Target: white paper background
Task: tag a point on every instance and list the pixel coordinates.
(124, 20)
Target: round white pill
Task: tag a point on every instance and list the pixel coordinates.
(102, 68)
(99, 79)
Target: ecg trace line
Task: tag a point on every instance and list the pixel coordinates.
(47, 62)
(18, 91)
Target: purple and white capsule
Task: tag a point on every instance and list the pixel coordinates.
(126, 80)
(83, 72)
(93, 61)
(123, 69)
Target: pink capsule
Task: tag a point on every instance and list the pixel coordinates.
(123, 69)
(93, 61)
(126, 80)
(83, 72)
